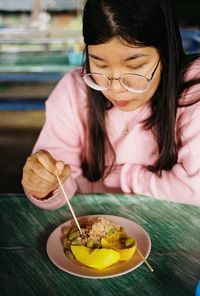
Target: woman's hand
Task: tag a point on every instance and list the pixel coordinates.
(39, 173)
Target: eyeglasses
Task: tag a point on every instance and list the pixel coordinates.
(134, 83)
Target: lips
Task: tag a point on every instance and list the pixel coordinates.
(121, 103)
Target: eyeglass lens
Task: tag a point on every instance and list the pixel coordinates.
(129, 81)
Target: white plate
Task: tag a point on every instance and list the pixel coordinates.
(57, 256)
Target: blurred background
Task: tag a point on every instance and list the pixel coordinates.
(40, 40)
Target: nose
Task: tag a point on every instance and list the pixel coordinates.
(115, 85)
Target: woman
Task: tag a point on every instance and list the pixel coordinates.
(129, 120)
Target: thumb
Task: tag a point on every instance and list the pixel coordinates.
(66, 171)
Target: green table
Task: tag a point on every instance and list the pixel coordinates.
(25, 268)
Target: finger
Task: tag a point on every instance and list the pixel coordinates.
(66, 172)
(59, 167)
(39, 170)
(35, 182)
(35, 186)
(46, 160)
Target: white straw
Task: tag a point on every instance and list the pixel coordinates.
(145, 260)
(65, 195)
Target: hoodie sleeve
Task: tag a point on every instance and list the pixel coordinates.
(63, 134)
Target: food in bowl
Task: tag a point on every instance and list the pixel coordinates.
(101, 244)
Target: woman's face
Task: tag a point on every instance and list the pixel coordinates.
(115, 58)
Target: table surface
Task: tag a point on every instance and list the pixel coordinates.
(25, 268)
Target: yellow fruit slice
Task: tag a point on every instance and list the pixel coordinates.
(125, 253)
(97, 258)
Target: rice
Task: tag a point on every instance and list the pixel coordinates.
(101, 227)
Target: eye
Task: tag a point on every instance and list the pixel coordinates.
(135, 67)
(101, 66)
(98, 64)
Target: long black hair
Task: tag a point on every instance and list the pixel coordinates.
(143, 23)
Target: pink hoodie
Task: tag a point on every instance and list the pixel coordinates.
(64, 134)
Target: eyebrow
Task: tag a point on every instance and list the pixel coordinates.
(132, 57)
(136, 56)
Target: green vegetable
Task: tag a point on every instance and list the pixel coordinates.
(69, 255)
(90, 243)
(73, 235)
(66, 230)
(129, 242)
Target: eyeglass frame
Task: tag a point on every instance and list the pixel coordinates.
(120, 80)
